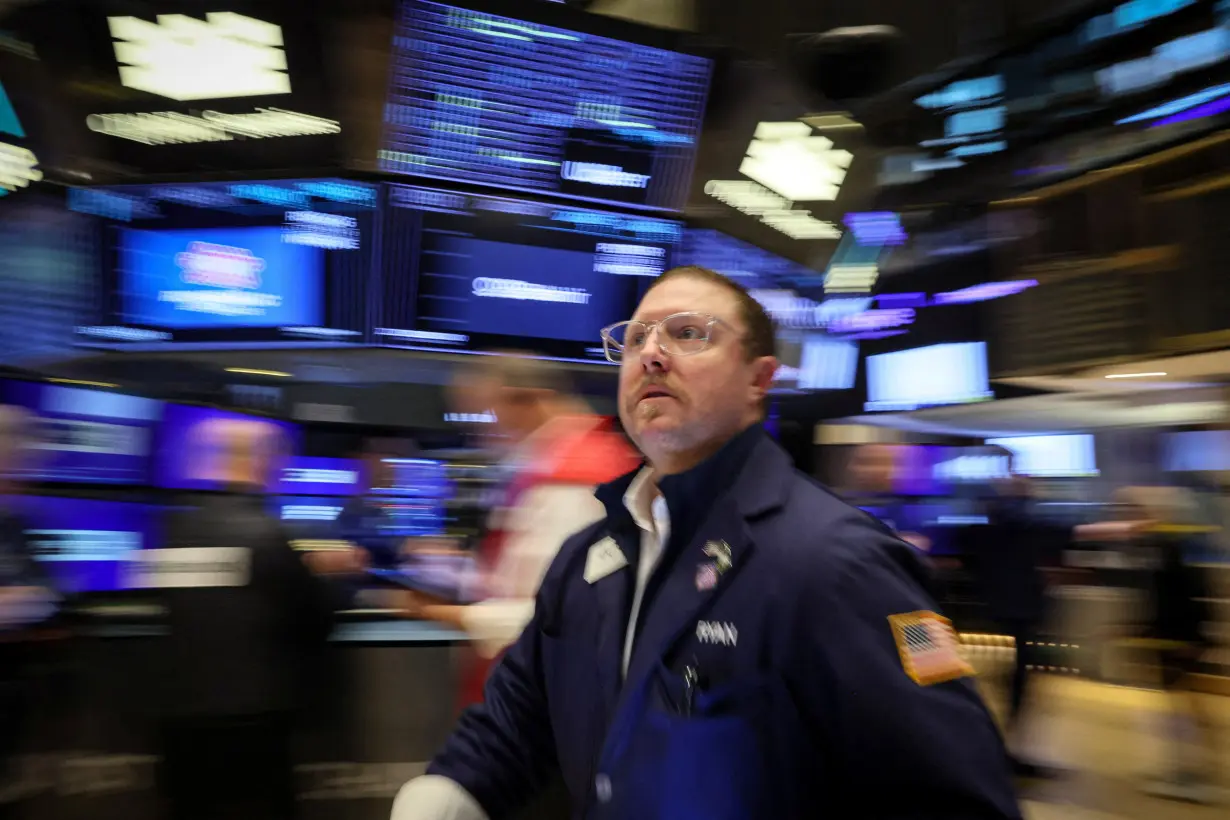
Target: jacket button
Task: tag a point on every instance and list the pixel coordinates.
(603, 785)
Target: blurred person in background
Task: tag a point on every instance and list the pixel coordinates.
(364, 520)
(1150, 530)
(247, 615)
(872, 473)
(1006, 557)
(27, 598)
(556, 452)
(730, 640)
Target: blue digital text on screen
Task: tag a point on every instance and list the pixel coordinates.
(220, 277)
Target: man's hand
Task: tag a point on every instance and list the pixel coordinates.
(345, 561)
(424, 607)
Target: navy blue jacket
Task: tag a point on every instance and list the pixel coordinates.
(801, 709)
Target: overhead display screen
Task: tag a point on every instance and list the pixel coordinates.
(278, 260)
(1062, 456)
(219, 277)
(928, 377)
(473, 272)
(491, 100)
(85, 436)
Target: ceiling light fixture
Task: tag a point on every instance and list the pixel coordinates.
(787, 158)
(1135, 375)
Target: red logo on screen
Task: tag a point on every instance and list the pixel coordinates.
(220, 266)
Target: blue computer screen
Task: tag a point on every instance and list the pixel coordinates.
(85, 436)
(220, 277)
(85, 544)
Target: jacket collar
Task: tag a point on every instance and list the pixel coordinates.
(743, 463)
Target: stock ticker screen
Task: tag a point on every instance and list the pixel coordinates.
(494, 101)
(465, 271)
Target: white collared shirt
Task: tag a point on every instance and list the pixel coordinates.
(648, 509)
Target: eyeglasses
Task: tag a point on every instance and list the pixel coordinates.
(682, 334)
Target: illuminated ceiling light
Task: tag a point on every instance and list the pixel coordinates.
(851, 278)
(774, 211)
(982, 293)
(833, 122)
(172, 127)
(18, 168)
(1178, 105)
(247, 371)
(785, 157)
(1135, 375)
(183, 58)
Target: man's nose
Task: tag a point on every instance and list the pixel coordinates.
(653, 357)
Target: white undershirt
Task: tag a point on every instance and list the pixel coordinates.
(648, 509)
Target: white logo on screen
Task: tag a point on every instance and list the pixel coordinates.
(184, 58)
(309, 475)
(220, 266)
(596, 173)
(489, 288)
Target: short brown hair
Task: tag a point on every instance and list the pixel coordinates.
(761, 336)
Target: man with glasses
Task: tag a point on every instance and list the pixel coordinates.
(732, 640)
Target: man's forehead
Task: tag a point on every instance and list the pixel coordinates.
(687, 294)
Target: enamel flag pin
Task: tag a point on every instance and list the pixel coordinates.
(708, 573)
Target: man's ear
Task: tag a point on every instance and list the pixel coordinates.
(763, 370)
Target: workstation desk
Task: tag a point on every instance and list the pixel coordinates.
(383, 699)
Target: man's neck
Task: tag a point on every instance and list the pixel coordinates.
(682, 461)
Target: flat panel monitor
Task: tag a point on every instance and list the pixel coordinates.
(484, 99)
(185, 458)
(1061, 456)
(464, 271)
(85, 544)
(1196, 451)
(219, 277)
(954, 373)
(305, 475)
(414, 478)
(85, 436)
(278, 261)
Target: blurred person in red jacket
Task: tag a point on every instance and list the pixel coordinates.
(556, 452)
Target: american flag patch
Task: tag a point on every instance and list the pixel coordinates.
(930, 651)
